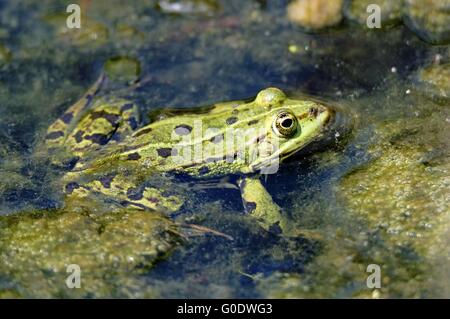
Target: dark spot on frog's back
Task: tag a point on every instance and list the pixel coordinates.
(183, 129)
(54, 135)
(133, 157)
(153, 200)
(66, 117)
(134, 194)
(70, 187)
(116, 137)
(275, 228)
(250, 207)
(164, 152)
(97, 138)
(106, 181)
(79, 136)
(110, 117)
(126, 107)
(252, 122)
(133, 123)
(203, 170)
(70, 163)
(231, 120)
(216, 139)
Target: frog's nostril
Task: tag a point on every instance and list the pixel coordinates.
(314, 111)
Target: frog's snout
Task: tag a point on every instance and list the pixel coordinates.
(320, 113)
(323, 113)
(315, 111)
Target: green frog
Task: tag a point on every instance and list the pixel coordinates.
(124, 165)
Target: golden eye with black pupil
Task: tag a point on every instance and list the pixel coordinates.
(285, 124)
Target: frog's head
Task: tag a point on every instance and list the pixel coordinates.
(290, 125)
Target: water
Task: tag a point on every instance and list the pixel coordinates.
(379, 197)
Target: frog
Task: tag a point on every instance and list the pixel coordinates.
(111, 158)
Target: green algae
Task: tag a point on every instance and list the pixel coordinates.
(434, 81)
(123, 69)
(37, 247)
(5, 55)
(402, 195)
(430, 19)
(92, 33)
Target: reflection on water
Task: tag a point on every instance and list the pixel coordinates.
(380, 196)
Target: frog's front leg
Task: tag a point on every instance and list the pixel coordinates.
(259, 204)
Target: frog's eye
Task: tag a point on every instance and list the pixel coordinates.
(285, 124)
